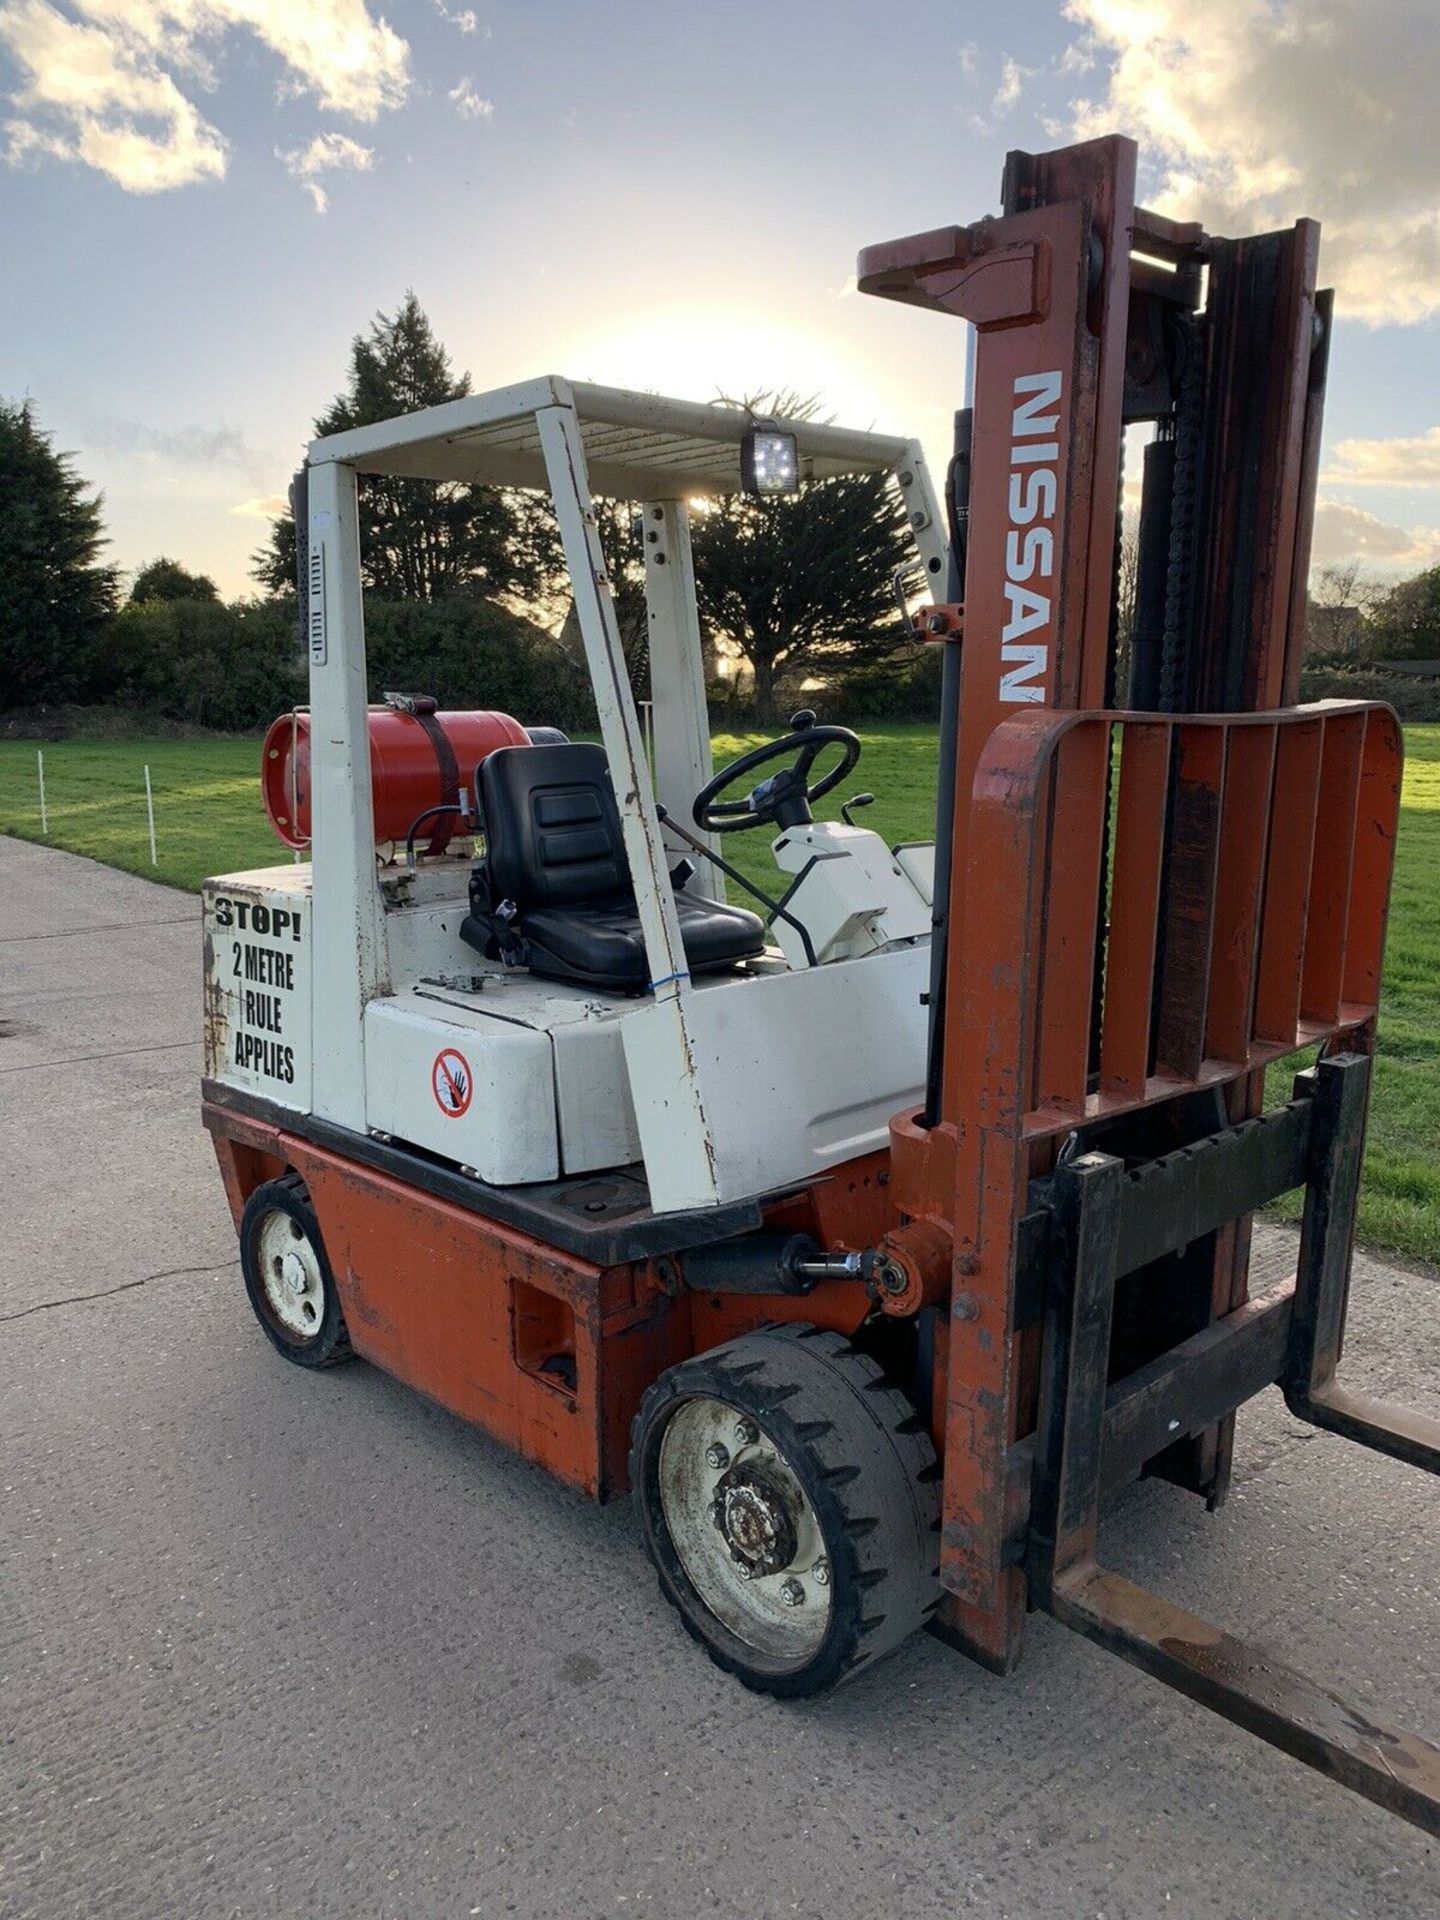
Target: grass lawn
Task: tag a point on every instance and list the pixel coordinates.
(208, 819)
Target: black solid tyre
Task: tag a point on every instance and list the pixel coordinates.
(303, 1321)
(864, 1461)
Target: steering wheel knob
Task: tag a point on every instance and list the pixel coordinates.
(802, 721)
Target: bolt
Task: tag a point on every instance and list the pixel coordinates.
(792, 1593)
(936, 623)
(820, 1572)
(919, 519)
(746, 1432)
(907, 479)
(717, 1455)
(742, 1565)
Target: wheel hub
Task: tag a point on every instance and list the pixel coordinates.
(755, 1521)
(290, 1275)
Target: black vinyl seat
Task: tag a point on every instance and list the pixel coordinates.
(554, 893)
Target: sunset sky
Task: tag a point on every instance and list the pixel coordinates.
(205, 199)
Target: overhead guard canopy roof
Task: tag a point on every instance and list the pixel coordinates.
(638, 446)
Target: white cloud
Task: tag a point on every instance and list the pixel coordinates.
(1408, 460)
(1012, 83)
(465, 18)
(269, 506)
(1012, 78)
(88, 96)
(108, 83)
(1344, 532)
(326, 153)
(189, 446)
(1263, 110)
(969, 59)
(468, 103)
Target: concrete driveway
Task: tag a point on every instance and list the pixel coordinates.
(275, 1644)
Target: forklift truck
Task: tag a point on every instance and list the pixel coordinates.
(875, 1239)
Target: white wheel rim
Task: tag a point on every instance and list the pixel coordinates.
(782, 1614)
(290, 1275)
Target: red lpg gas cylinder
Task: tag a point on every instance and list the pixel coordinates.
(418, 760)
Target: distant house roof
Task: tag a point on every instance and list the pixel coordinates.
(1421, 669)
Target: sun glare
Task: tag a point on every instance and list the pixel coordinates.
(695, 353)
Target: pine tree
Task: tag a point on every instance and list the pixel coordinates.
(54, 596)
(422, 539)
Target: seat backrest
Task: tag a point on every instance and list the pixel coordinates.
(552, 829)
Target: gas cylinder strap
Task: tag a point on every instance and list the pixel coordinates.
(449, 768)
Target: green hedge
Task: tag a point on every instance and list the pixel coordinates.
(233, 668)
(230, 668)
(1412, 697)
(903, 686)
(472, 653)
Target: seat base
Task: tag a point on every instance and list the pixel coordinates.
(600, 944)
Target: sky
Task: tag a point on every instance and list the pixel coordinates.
(202, 201)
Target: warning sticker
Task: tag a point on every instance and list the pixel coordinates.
(257, 990)
(451, 1083)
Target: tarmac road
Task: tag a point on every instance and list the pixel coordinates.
(274, 1644)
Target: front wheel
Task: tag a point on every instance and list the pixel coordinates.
(789, 1498)
(288, 1277)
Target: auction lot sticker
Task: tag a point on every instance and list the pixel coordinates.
(451, 1083)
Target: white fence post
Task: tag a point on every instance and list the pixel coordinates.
(44, 816)
(150, 809)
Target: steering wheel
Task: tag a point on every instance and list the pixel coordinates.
(785, 799)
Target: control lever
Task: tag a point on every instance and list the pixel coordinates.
(856, 800)
(776, 908)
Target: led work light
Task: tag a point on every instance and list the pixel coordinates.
(769, 462)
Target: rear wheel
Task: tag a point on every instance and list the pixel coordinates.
(790, 1501)
(287, 1275)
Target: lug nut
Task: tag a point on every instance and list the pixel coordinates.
(746, 1432)
(792, 1593)
(820, 1573)
(716, 1455)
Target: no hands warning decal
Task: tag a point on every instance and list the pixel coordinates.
(451, 1083)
